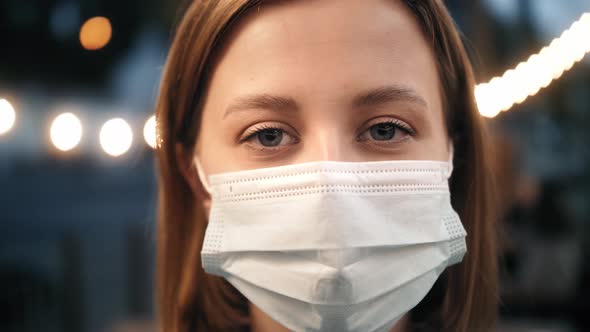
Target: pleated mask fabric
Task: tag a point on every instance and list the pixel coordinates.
(334, 246)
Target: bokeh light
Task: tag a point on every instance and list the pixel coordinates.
(95, 33)
(116, 137)
(7, 116)
(65, 131)
(149, 132)
(537, 72)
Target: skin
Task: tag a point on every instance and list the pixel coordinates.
(320, 55)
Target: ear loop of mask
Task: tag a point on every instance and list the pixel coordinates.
(202, 176)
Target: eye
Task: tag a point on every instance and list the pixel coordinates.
(270, 137)
(267, 137)
(386, 130)
(382, 131)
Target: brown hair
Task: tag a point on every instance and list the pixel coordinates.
(188, 299)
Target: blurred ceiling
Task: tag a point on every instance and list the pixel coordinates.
(40, 38)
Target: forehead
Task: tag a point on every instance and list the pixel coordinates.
(324, 48)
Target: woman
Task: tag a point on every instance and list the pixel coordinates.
(307, 153)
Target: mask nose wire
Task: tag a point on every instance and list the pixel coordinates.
(202, 176)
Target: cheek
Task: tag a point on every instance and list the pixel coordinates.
(439, 128)
(212, 142)
(436, 145)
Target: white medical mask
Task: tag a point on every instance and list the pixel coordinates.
(333, 246)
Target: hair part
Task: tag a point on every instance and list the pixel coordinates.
(188, 299)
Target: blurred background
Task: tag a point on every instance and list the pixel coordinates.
(78, 80)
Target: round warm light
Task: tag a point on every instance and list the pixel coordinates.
(65, 131)
(149, 132)
(7, 116)
(96, 33)
(485, 103)
(116, 137)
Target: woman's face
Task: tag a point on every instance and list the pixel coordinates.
(338, 80)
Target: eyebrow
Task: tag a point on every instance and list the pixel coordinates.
(387, 94)
(262, 101)
(372, 97)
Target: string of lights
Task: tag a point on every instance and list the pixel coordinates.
(7, 116)
(530, 76)
(493, 97)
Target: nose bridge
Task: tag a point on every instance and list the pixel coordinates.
(327, 144)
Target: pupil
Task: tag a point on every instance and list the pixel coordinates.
(382, 132)
(270, 137)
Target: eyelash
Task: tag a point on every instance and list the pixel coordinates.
(396, 123)
(252, 133)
